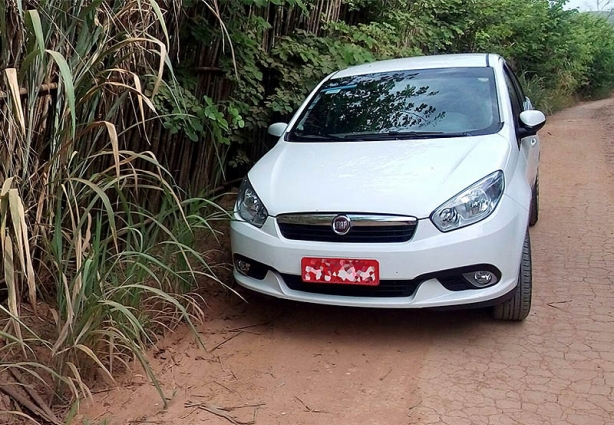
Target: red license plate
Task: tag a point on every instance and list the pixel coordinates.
(340, 271)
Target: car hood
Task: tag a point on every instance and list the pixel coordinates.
(407, 177)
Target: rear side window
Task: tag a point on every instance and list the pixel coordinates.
(450, 101)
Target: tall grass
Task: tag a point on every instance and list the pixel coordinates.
(543, 97)
(76, 227)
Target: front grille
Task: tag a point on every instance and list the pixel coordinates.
(365, 228)
(375, 234)
(386, 288)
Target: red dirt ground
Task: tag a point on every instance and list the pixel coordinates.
(279, 362)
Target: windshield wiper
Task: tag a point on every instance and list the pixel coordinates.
(387, 135)
(432, 134)
(396, 135)
(317, 136)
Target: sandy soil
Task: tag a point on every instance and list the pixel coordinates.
(274, 362)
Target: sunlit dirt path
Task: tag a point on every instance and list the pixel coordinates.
(558, 366)
(273, 362)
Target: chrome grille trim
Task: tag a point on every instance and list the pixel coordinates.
(325, 219)
(365, 228)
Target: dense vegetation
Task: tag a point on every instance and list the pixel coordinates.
(78, 229)
(115, 113)
(560, 53)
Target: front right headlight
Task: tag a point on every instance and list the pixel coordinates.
(471, 205)
(249, 206)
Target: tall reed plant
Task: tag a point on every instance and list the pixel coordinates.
(77, 228)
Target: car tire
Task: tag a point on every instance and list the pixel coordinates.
(517, 308)
(534, 213)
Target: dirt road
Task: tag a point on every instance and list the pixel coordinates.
(302, 364)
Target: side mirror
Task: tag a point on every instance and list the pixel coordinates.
(277, 129)
(532, 121)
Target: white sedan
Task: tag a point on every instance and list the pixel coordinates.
(408, 183)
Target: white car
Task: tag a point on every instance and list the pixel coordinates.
(407, 183)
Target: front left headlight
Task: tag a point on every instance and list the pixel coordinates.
(249, 206)
(471, 205)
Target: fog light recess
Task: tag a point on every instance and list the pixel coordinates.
(481, 278)
(242, 266)
(250, 268)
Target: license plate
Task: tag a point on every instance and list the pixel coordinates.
(340, 271)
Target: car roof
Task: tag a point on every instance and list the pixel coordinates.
(463, 60)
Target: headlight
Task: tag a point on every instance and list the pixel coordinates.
(473, 204)
(249, 206)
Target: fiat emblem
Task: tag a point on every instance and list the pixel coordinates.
(341, 225)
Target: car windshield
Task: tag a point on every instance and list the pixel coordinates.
(451, 102)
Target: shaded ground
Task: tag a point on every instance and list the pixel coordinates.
(286, 363)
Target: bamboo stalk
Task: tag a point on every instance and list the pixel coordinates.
(43, 90)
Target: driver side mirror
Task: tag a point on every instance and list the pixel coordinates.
(531, 122)
(277, 129)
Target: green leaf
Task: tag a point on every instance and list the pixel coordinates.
(67, 80)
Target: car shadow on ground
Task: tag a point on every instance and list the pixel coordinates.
(316, 322)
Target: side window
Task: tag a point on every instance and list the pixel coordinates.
(514, 97)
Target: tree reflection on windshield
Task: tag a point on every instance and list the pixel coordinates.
(455, 100)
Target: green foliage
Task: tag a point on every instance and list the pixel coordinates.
(270, 82)
(198, 119)
(539, 37)
(433, 26)
(275, 63)
(599, 75)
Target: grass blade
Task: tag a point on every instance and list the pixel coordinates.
(11, 283)
(13, 84)
(67, 80)
(33, 17)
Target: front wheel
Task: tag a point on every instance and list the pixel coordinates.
(517, 308)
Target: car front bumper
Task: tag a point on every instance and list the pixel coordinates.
(496, 241)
